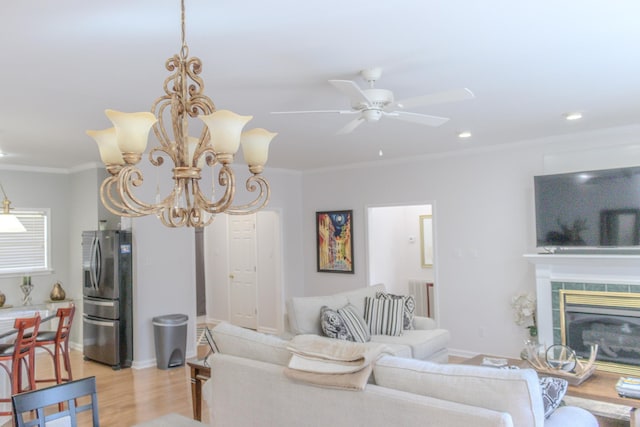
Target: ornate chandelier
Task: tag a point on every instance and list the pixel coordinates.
(121, 149)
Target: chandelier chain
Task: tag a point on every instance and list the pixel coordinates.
(184, 50)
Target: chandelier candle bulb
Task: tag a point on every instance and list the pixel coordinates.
(132, 130)
(255, 147)
(107, 145)
(225, 128)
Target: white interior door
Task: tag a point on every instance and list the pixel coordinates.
(243, 270)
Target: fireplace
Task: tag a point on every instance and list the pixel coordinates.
(611, 277)
(609, 319)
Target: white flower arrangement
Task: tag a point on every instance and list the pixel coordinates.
(524, 309)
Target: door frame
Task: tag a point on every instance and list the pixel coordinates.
(434, 216)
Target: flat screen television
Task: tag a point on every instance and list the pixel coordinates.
(588, 210)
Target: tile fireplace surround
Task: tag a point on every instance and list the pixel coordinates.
(608, 273)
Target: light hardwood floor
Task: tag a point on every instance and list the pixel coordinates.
(130, 396)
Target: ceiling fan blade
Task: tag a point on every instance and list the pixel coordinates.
(316, 111)
(422, 119)
(434, 98)
(352, 90)
(349, 127)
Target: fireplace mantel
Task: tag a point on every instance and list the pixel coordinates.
(601, 260)
(618, 269)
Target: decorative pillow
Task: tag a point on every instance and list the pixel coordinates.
(553, 390)
(384, 316)
(355, 323)
(332, 324)
(409, 307)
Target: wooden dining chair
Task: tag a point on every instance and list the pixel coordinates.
(21, 353)
(56, 343)
(68, 393)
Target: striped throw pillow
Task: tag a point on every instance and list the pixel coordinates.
(409, 307)
(355, 323)
(384, 316)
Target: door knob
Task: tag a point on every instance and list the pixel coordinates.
(231, 276)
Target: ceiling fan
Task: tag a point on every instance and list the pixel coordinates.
(371, 104)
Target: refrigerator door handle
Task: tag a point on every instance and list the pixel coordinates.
(92, 264)
(100, 303)
(99, 322)
(98, 263)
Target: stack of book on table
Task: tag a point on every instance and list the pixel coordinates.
(628, 387)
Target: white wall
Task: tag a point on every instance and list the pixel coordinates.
(484, 224)
(36, 189)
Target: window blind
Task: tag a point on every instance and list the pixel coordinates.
(25, 252)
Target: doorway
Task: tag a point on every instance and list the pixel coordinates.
(400, 252)
(243, 270)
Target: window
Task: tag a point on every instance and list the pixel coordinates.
(22, 253)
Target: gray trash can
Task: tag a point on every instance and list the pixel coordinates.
(170, 333)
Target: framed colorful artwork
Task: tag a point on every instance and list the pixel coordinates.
(334, 241)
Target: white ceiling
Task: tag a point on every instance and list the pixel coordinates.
(64, 62)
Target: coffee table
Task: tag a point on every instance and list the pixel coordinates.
(601, 387)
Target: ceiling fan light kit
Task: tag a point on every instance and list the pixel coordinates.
(121, 148)
(372, 104)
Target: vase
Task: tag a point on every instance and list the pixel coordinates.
(26, 288)
(57, 293)
(3, 299)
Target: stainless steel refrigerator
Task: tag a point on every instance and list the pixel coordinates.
(107, 292)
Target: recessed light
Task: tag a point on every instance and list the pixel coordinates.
(465, 134)
(573, 116)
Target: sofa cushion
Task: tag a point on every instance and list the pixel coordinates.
(356, 297)
(237, 341)
(333, 325)
(304, 312)
(422, 343)
(398, 350)
(355, 323)
(384, 316)
(515, 391)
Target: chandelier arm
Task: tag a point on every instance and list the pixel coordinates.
(112, 201)
(130, 177)
(158, 109)
(226, 179)
(106, 196)
(253, 183)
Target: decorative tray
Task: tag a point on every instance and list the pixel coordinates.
(572, 378)
(576, 374)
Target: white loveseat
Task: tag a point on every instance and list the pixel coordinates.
(425, 342)
(248, 388)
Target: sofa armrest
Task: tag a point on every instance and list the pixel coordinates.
(420, 322)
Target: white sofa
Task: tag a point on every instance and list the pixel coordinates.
(425, 342)
(248, 388)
